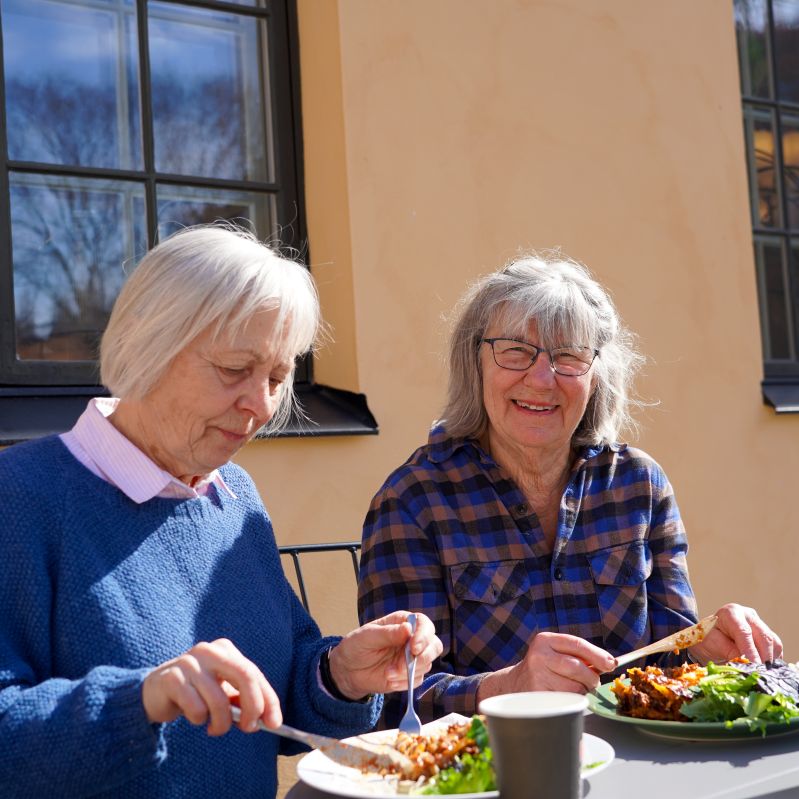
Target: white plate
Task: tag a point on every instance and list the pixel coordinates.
(318, 771)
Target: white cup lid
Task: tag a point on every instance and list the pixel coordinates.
(533, 704)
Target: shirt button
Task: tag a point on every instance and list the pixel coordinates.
(558, 574)
(521, 510)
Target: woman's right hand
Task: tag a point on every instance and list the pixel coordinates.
(198, 685)
(553, 662)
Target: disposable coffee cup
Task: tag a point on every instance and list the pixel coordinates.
(535, 739)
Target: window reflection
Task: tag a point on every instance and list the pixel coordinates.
(768, 54)
(209, 93)
(751, 24)
(71, 242)
(182, 206)
(77, 101)
(786, 46)
(763, 170)
(777, 339)
(790, 170)
(74, 94)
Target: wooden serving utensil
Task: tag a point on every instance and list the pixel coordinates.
(679, 640)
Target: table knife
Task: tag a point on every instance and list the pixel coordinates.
(363, 755)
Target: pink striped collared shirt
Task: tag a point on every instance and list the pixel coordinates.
(105, 452)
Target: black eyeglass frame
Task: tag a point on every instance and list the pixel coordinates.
(534, 358)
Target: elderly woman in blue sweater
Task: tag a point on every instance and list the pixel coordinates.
(140, 583)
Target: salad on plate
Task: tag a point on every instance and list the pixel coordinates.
(456, 761)
(752, 697)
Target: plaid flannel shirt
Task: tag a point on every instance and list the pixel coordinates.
(451, 535)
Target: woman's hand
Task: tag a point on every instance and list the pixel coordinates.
(738, 632)
(553, 662)
(198, 685)
(371, 659)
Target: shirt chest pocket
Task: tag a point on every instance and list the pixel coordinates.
(620, 574)
(490, 583)
(623, 564)
(492, 614)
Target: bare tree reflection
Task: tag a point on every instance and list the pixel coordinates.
(72, 236)
(69, 245)
(62, 121)
(198, 129)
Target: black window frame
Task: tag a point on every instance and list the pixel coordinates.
(47, 397)
(780, 383)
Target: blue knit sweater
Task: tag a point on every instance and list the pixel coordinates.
(96, 590)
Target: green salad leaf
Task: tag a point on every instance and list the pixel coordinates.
(731, 695)
(469, 773)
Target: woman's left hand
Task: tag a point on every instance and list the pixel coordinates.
(739, 631)
(371, 659)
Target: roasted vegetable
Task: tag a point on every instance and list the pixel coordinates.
(738, 693)
(470, 772)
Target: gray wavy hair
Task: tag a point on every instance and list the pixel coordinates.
(208, 276)
(568, 306)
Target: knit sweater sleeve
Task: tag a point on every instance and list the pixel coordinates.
(65, 736)
(308, 706)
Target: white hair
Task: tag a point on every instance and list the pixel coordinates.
(208, 276)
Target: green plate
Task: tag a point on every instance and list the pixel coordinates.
(603, 703)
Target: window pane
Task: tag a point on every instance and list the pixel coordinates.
(72, 239)
(751, 25)
(72, 90)
(793, 306)
(775, 317)
(181, 206)
(209, 93)
(786, 43)
(761, 162)
(790, 169)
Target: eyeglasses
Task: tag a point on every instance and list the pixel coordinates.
(519, 356)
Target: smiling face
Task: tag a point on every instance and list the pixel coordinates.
(211, 400)
(535, 409)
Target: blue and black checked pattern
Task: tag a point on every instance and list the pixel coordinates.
(451, 535)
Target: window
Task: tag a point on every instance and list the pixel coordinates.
(122, 120)
(768, 50)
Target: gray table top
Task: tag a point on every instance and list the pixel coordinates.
(652, 767)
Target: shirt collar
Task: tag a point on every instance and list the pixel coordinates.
(442, 447)
(124, 465)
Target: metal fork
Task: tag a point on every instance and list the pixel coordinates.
(411, 723)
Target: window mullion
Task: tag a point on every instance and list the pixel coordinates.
(7, 331)
(148, 142)
(226, 7)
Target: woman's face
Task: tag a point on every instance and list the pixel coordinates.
(213, 398)
(537, 408)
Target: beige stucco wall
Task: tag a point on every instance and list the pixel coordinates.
(443, 135)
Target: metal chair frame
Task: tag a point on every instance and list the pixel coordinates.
(296, 550)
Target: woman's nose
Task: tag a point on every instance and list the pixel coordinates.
(257, 400)
(541, 370)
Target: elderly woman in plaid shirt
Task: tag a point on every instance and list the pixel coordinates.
(539, 545)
